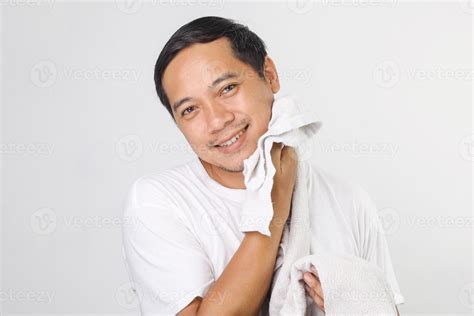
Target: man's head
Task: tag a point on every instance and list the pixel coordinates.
(215, 79)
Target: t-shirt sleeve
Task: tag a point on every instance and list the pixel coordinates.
(373, 244)
(163, 258)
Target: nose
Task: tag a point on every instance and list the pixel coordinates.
(218, 117)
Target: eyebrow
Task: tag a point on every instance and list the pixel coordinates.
(223, 77)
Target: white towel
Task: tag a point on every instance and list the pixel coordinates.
(351, 285)
(293, 125)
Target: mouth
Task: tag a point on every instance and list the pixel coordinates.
(234, 143)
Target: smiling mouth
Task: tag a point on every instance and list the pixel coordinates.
(234, 139)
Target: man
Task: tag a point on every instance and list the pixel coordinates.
(187, 256)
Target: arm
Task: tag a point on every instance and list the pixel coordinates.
(245, 281)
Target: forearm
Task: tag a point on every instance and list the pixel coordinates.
(245, 281)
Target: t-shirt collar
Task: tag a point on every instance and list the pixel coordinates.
(237, 195)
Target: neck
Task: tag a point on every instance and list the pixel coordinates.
(228, 179)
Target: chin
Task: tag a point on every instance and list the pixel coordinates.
(236, 169)
(232, 167)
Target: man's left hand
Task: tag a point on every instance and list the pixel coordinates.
(313, 287)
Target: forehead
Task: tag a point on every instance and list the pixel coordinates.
(196, 66)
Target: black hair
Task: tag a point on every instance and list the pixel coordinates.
(246, 46)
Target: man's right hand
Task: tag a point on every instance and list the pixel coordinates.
(285, 163)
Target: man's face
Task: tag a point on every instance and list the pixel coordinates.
(226, 96)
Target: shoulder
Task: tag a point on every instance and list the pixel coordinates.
(155, 195)
(348, 196)
(337, 186)
(158, 187)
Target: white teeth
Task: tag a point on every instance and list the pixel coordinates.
(232, 140)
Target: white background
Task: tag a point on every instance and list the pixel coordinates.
(391, 81)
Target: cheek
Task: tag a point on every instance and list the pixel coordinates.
(195, 138)
(260, 113)
(260, 121)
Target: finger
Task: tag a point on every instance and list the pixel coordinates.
(316, 298)
(276, 154)
(315, 272)
(312, 292)
(314, 283)
(289, 152)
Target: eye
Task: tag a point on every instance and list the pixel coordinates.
(189, 107)
(231, 85)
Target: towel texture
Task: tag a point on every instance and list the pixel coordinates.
(351, 285)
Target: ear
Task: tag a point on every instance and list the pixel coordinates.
(271, 74)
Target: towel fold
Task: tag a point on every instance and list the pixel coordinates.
(293, 125)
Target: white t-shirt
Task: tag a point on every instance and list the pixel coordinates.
(186, 230)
